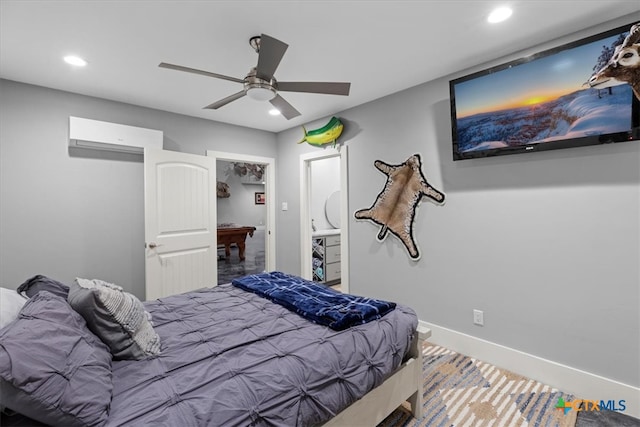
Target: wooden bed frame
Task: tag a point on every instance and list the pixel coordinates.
(405, 384)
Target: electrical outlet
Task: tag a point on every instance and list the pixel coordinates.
(478, 317)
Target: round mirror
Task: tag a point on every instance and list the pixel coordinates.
(332, 209)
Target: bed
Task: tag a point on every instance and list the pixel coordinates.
(228, 357)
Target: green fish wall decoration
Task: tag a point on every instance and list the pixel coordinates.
(324, 135)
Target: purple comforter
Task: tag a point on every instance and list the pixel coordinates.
(232, 358)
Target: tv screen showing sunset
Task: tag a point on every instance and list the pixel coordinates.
(542, 100)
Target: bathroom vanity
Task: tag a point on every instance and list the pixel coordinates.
(326, 256)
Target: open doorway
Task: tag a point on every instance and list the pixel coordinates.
(241, 216)
(245, 214)
(324, 218)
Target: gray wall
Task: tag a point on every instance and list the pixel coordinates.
(82, 213)
(546, 244)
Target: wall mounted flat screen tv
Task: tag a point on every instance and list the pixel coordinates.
(550, 100)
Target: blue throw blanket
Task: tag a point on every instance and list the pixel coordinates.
(315, 302)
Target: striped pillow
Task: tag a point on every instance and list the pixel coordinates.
(117, 317)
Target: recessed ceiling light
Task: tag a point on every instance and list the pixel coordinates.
(274, 111)
(75, 60)
(500, 14)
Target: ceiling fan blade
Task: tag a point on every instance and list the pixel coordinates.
(284, 107)
(196, 71)
(269, 56)
(331, 88)
(226, 100)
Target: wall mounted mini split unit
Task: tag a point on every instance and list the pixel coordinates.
(97, 135)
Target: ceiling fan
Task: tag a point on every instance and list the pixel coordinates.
(260, 84)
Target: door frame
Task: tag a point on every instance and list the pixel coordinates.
(270, 193)
(305, 212)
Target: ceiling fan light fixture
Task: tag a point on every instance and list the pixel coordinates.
(261, 93)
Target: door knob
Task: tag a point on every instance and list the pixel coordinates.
(153, 245)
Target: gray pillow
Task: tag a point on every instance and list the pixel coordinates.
(117, 317)
(52, 368)
(42, 283)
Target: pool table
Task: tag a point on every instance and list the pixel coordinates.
(234, 234)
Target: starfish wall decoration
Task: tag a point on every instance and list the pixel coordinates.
(395, 206)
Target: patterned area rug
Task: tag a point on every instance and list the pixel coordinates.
(461, 391)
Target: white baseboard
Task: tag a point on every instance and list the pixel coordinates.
(582, 384)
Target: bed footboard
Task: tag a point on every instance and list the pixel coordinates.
(405, 384)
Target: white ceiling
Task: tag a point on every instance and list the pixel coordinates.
(380, 47)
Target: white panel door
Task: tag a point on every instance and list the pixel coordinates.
(180, 222)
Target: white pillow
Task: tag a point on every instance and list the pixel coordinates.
(11, 303)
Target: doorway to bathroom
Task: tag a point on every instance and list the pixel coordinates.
(324, 218)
